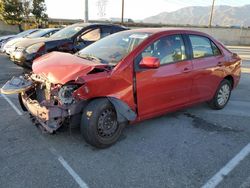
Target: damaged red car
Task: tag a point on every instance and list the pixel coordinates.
(125, 78)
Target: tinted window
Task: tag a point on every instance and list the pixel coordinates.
(168, 49)
(201, 46)
(105, 31)
(68, 32)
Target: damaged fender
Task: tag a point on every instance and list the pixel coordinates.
(124, 112)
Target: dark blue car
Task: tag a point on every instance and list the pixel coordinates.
(71, 39)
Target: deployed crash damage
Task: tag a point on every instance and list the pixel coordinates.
(50, 104)
(94, 88)
(55, 98)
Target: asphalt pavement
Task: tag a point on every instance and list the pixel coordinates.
(189, 148)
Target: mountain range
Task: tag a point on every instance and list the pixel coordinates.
(199, 15)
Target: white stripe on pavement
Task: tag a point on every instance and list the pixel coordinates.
(64, 163)
(76, 177)
(12, 105)
(219, 176)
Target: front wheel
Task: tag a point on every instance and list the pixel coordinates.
(221, 96)
(99, 125)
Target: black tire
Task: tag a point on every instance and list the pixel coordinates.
(215, 103)
(99, 125)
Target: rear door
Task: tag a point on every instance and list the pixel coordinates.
(169, 86)
(207, 67)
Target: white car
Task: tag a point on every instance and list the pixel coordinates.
(7, 45)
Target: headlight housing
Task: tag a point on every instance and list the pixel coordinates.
(35, 48)
(65, 94)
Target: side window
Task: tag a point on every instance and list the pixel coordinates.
(92, 35)
(105, 31)
(216, 50)
(201, 46)
(168, 49)
(116, 29)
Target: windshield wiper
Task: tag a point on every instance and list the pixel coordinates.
(91, 58)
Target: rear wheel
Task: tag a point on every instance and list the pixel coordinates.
(99, 125)
(221, 96)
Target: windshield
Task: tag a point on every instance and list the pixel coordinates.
(40, 33)
(26, 33)
(112, 49)
(67, 32)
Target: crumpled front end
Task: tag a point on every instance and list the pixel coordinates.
(51, 105)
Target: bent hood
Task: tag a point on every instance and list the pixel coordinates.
(60, 68)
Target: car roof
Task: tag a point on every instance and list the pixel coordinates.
(100, 24)
(167, 29)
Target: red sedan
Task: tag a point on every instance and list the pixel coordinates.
(125, 78)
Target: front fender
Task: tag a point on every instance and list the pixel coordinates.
(124, 112)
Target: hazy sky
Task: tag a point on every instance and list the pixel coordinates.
(134, 9)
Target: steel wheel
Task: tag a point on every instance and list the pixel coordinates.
(107, 123)
(99, 125)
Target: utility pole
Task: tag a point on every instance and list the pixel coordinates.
(122, 12)
(86, 19)
(211, 14)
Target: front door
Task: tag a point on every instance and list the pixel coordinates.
(169, 86)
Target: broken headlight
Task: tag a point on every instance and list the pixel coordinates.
(65, 94)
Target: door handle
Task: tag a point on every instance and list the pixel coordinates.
(220, 64)
(186, 69)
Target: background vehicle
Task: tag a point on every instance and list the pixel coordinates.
(6, 47)
(3, 39)
(127, 77)
(70, 39)
(20, 45)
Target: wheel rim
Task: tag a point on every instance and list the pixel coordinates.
(223, 95)
(107, 123)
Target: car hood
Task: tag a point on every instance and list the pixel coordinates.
(13, 41)
(60, 68)
(26, 42)
(50, 43)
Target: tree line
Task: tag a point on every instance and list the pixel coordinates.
(16, 12)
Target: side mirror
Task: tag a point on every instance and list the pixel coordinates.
(150, 62)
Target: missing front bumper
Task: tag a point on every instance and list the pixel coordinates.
(44, 110)
(16, 85)
(51, 117)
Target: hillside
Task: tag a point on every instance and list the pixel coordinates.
(197, 15)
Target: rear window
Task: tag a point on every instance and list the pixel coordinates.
(203, 47)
